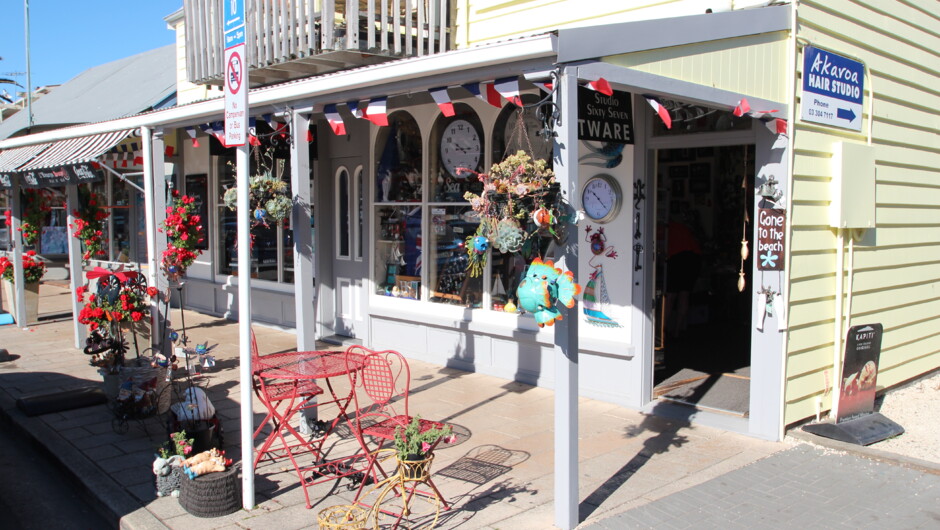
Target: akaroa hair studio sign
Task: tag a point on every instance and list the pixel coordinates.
(605, 118)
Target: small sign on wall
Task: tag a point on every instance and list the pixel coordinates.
(771, 239)
(605, 118)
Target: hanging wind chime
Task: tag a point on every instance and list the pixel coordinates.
(744, 250)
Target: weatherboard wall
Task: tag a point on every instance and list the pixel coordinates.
(897, 264)
(480, 21)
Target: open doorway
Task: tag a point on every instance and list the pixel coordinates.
(704, 200)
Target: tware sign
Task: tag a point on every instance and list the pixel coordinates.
(771, 239)
(605, 118)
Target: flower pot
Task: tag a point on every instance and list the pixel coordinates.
(32, 300)
(212, 494)
(169, 478)
(415, 467)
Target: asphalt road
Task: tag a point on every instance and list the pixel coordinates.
(35, 493)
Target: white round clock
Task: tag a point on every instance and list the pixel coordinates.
(460, 147)
(601, 198)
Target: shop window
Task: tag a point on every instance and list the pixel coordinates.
(398, 171)
(272, 244)
(455, 152)
(518, 130)
(447, 275)
(398, 250)
(125, 230)
(197, 186)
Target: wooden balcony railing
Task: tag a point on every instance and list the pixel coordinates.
(288, 39)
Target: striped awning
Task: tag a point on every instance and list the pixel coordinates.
(76, 150)
(12, 159)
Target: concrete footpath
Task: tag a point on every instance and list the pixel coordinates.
(635, 469)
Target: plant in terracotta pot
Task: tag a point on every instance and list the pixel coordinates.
(414, 444)
(33, 271)
(184, 232)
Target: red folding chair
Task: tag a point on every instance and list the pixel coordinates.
(381, 384)
(273, 391)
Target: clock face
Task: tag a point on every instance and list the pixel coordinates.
(517, 140)
(601, 198)
(460, 147)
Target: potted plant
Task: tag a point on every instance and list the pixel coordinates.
(35, 209)
(267, 197)
(89, 223)
(33, 271)
(168, 464)
(184, 232)
(519, 199)
(413, 447)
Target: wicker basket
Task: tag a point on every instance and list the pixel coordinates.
(415, 470)
(212, 494)
(343, 516)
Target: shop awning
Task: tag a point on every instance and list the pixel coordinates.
(12, 159)
(76, 150)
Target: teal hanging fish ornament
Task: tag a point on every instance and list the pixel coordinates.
(541, 287)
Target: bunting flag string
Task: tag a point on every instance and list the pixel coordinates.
(354, 109)
(336, 121)
(602, 86)
(544, 86)
(744, 107)
(486, 92)
(376, 111)
(442, 98)
(508, 87)
(191, 131)
(662, 111)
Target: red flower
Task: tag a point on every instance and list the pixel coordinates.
(151, 291)
(136, 316)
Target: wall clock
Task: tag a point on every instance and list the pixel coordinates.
(601, 198)
(461, 146)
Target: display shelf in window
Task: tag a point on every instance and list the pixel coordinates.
(397, 250)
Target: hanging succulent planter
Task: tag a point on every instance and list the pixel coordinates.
(520, 199)
(268, 197)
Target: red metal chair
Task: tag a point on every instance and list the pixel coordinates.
(380, 393)
(272, 391)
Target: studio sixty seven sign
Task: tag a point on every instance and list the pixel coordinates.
(833, 87)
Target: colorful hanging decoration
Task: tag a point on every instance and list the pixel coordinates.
(541, 287)
(184, 232)
(268, 198)
(742, 283)
(520, 198)
(88, 225)
(596, 299)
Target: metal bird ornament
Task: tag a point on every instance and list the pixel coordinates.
(541, 287)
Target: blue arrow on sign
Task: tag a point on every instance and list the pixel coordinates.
(846, 114)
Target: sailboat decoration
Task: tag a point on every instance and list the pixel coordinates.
(595, 300)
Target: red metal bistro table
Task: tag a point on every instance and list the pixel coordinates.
(284, 440)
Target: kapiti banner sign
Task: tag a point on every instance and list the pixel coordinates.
(236, 74)
(833, 88)
(859, 371)
(605, 118)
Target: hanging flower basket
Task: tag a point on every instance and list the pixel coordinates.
(267, 199)
(35, 208)
(184, 232)
(89, 223)
(520, 199)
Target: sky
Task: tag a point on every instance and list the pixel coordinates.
(67, 37)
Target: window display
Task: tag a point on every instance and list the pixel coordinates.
(456, 143)
(448, 277)
(271, 240)
(398, 172)
(398, 251)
